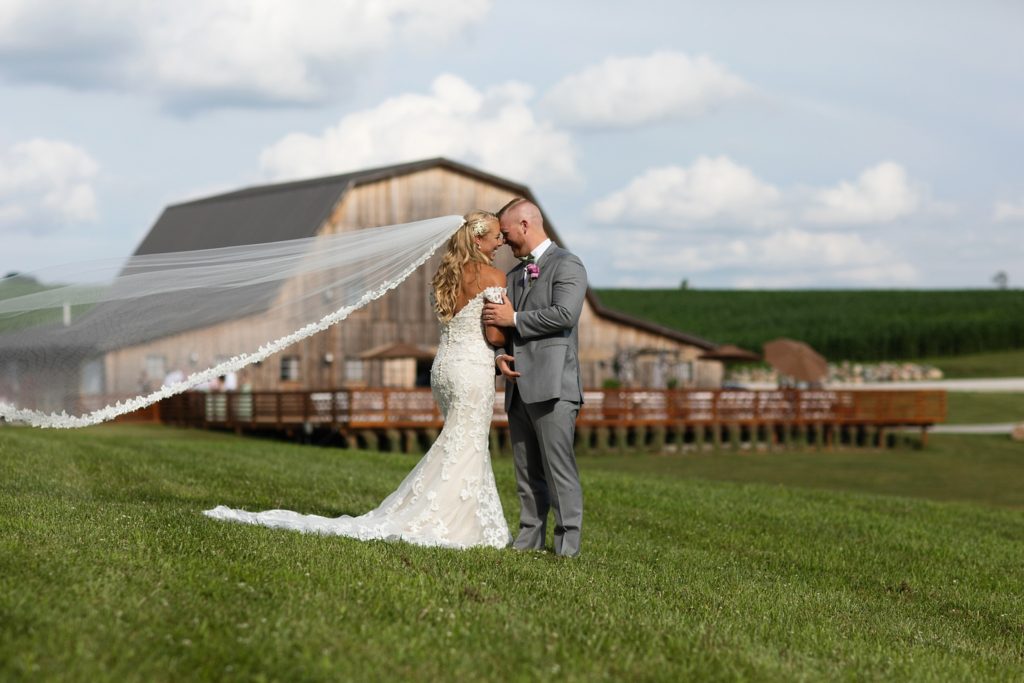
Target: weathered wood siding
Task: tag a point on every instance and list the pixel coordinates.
(601, 340)
(404, 315)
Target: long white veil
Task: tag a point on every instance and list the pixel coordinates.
(59, 327)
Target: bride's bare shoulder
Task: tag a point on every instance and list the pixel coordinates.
(477, 276)
(491, 276)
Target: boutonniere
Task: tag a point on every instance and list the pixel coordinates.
(532, 272)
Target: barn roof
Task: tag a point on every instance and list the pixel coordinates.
(281, 211)
(640, 323)
(294, 210)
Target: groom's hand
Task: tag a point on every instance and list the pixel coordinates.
(504, 362)
(500, 315)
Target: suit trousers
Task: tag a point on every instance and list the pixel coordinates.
(546, 473)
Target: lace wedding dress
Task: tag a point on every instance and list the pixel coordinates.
(449, 499)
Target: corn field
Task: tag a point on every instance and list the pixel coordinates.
(841, 324)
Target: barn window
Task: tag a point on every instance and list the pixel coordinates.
(290, 369)
(156, 367)
(684, 372)
(354, 370)
(399, 372)
(92, 378)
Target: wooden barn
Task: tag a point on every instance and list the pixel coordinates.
(391, 342)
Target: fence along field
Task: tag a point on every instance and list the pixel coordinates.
(842, 324)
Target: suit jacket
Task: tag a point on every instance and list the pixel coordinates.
(545, 343)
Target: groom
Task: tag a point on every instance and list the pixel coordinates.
(540, 363)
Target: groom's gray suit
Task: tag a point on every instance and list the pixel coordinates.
(543, 402)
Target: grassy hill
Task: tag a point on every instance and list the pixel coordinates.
(19, 285)
(992, 364)
(841, 324)
(780, 566)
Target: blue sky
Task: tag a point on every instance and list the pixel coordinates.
(733, 144)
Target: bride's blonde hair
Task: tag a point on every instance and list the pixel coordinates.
(461, 251)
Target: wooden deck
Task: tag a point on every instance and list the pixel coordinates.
(608, 416)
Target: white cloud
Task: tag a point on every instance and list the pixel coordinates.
(45, 184)
(632, 91)
(897, 274)
(494, 129)
(716, 218)
(1008, 212)
(783, 248)
(712, 191)
(200, 53)
(784, 258)
(881, 194)
(716, 192)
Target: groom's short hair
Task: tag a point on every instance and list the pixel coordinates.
(515, 202)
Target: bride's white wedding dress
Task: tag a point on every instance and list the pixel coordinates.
(450, 498)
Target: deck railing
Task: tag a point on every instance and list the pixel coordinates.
(354, 409)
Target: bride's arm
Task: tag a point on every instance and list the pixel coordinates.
(496, 336)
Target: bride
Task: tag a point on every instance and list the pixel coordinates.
(449, 499)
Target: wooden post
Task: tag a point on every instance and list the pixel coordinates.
(583, 436)
(699, 436)
(229, 409)
(622, 437)
(371, 441)
(799, 433)
(385, 406)
(679, 436)
(658, 438)
(411, 441)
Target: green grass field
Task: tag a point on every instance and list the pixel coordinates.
(995, 364)
(17, 285)
(11, 287)
(900, 565)
(981, 408)
(841, 324)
